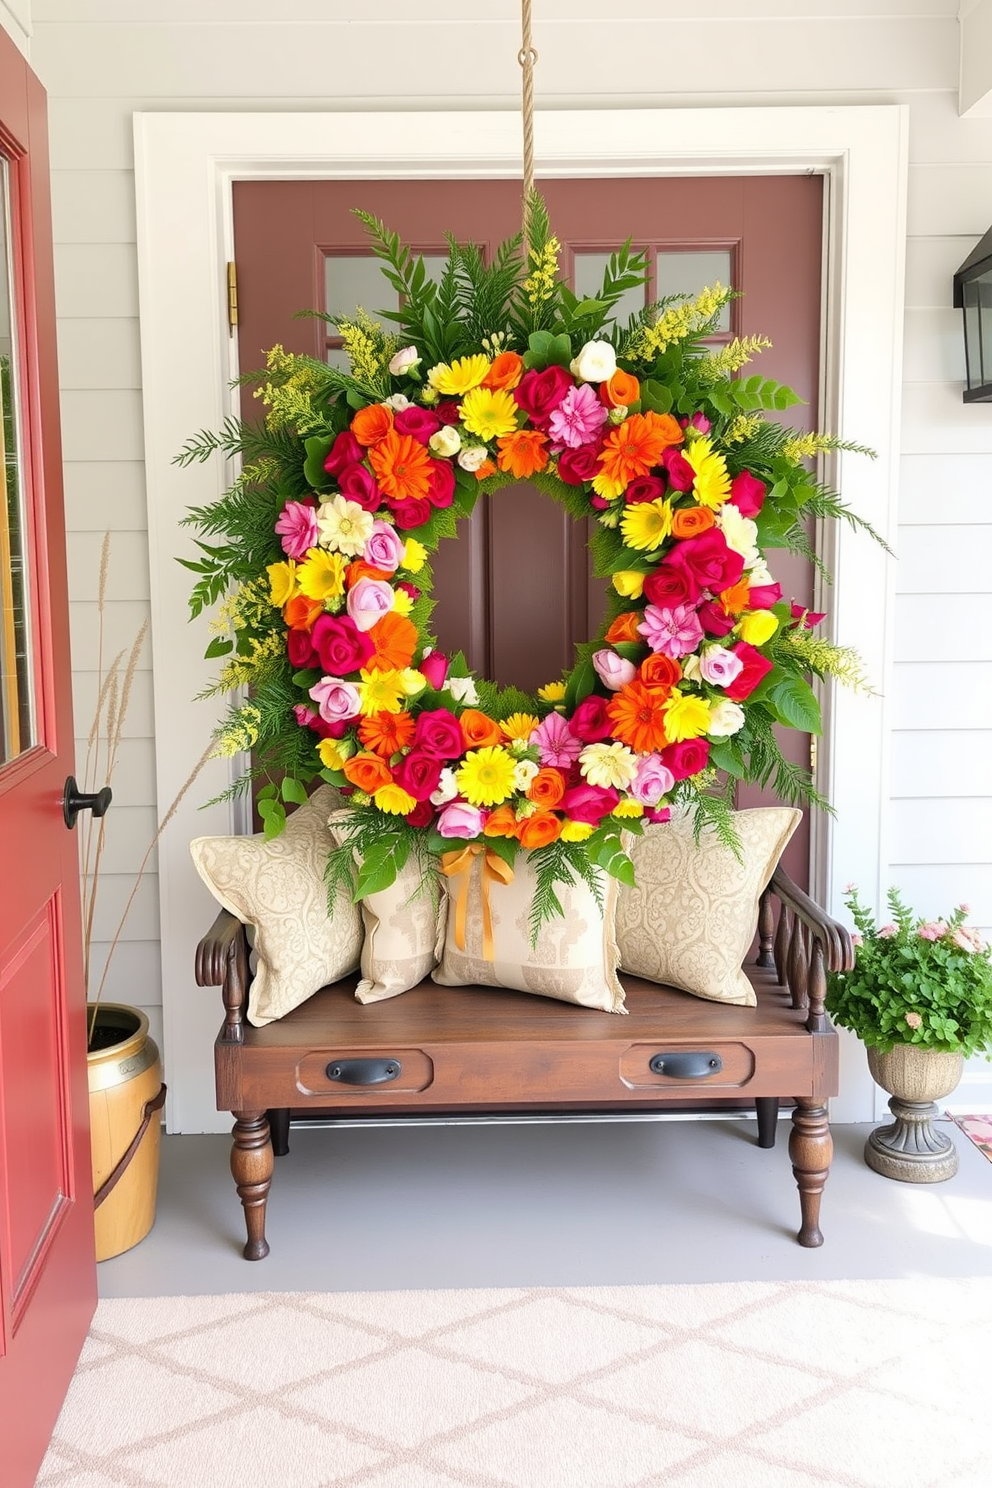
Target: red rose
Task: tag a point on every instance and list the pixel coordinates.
(448, 412)
(763, 596)
(578, 465)
(419, 423)
(435, 668)
(755, 667)
(747, 493)
(421, 816)
(413, 512)
(341, 647)
(644, 488)
(714, 618)
(442, 487)
(680, 473)
(345, 450)
(708, 560)
(409, 588)
(686, 758)
(360, 485)
(669, 586)
(590, 722)
(418, 773)
(588, 803)
(540, 393)
(439, 733)
(328, 730)
(300, 650)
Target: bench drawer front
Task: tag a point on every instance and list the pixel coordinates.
(655, 1066)
(363, 1073)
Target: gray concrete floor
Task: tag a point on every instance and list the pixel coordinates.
(565, 1205)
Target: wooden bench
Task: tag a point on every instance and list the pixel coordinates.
(443, 1050)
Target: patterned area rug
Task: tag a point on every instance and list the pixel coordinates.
(977, 1129)
(741, 1385)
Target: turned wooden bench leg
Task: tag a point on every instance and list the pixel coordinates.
(811, 1149)
(766, 1110)
(251, 1168)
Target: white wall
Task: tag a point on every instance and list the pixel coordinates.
(15, 19)
(103, 59)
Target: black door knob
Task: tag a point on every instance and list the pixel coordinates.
(74, 801)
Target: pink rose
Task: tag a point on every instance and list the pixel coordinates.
(578, 465)
(588, 803)
(540, 393)
(754, 667)
(613, 671)
(747, 493)
(297, 527)
(668, 587)
(644, 488)
(300, 650)
(686, 758)
(887, 932)
(763, 596)
(411, 513)
(420, 423)
(439, 733)
(418, 773)
(384, 549)
(340, 645)
(459, 819)
(435, 668)
(714, 618)
(360, 485)
(680, 473)
(653, 780)
(304, 715)
(698, 421)
(442, 487)
(345, 450)
(708, 559)
(337, 700)
(368, 601)
(719, 666)
(591, 722)
(657, 815)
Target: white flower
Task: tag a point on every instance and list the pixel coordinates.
(446, 442)
(596, 362)
(405, 361)
(447, 788)
(690, 668)
(726, 718)
(759, 576)
(523, 773)
(608, 764)
(471, 456)
(740, 532)
(344, 526)
(462, 689)
(397, 402)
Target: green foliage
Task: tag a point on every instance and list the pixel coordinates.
(915, 982)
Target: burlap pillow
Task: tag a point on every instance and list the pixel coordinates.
(278, 889)
(691, 918)
(403, 927)
(575, 959)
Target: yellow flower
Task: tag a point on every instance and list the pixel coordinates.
(758, 627)
(282, 581)
(607, 486)
(552, 692)
(627, 809)
(576, 831)
(334, 752)
(646, 524)
(489, 413)
(629, 583)
(486, 776)
(402, 603)
(460, 376)
(381, 692)
(411, 681)
(519, 725)
(686, 717)
(394, 799)
(712, 485)
(321, 575)
(414, 555)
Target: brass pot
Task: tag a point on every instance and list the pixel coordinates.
(126, 1094)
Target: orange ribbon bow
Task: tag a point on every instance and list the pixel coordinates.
(459, 864)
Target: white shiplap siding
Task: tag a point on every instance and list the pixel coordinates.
(103, 59)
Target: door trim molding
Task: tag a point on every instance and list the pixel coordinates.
(184, 167)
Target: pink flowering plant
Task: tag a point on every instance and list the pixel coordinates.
(915, 981)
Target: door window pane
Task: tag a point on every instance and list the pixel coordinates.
(353, 280)
(589, 271)
(17, 714)
(679, 273)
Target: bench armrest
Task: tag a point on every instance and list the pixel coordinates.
(222, 961)
(805, 944)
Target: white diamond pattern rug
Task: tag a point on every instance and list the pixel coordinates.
(856, 1384)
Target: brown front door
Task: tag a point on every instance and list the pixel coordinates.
(47, 1267)
(517, 610)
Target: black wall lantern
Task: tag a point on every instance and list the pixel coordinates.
(973, 294)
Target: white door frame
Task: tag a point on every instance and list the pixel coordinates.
(184, 167)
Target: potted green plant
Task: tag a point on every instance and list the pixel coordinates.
(920, 999)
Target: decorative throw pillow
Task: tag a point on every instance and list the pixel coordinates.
(278, 889)
(692, 916)
(575, 958)
(404, 925)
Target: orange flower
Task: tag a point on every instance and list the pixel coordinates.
(620, 390)
(624, 628)
(362, 570)
(523, 453)
(372, 424)
(395, 640)
(500, 823)
(633, 447)
(505, 372)
(486, 468)
(735, 600)
(386, 733)
(540, 829)
(692, 520)
(547, 788)
(659, 671)
(637, 715)
(669, 426)
(367, 772)
(479, 730)
(402, 466)
(300, 612)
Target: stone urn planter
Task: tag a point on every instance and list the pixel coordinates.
(911, 1148)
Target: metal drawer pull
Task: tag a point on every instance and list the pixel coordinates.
(687, 1064)
(364, 1071)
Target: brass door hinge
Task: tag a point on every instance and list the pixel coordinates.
(232, 297)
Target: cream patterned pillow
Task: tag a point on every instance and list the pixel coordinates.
(278, 889)
(691, 918)
(575, 959)
(404, 926)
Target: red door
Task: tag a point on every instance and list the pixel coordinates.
(47, 1267)
(298, 246)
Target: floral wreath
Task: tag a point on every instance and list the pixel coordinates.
(497, 373)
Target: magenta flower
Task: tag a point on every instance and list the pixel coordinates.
(578, 418)
(673, 633)
(297, 527)
(556, 743)
(459, 819)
